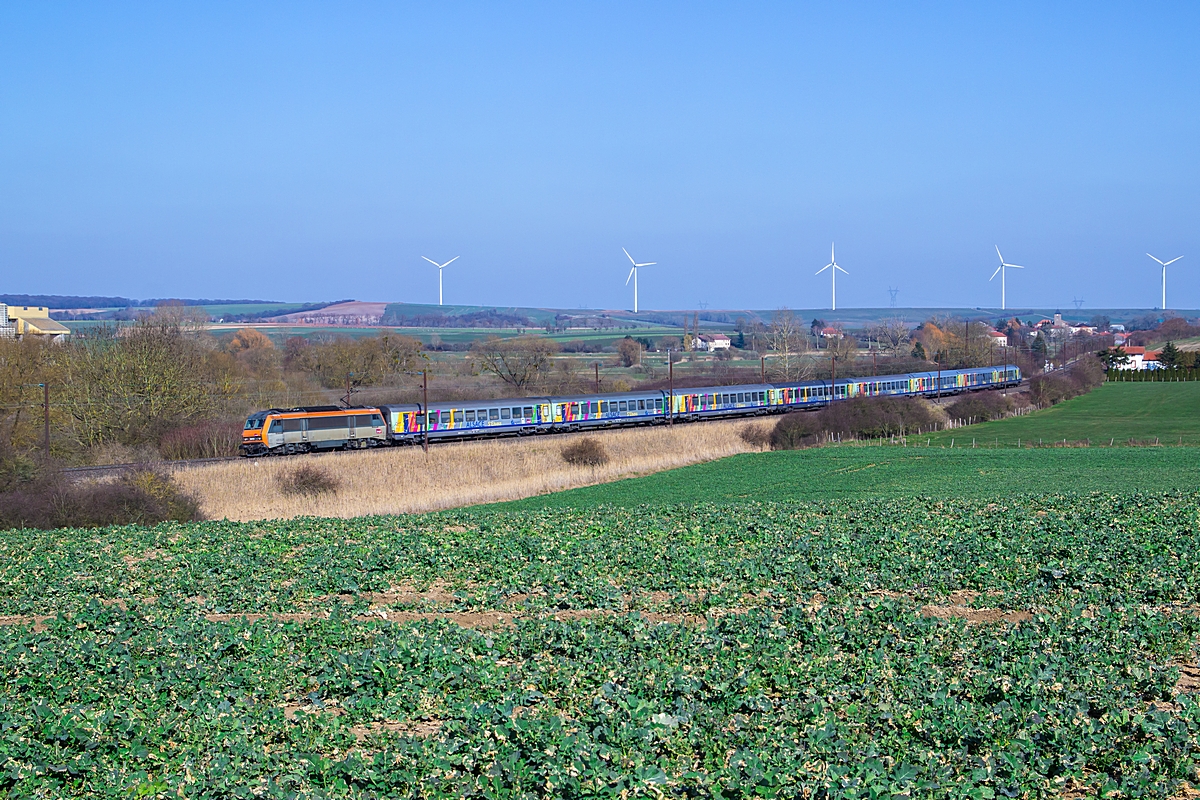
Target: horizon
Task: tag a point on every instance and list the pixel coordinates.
(206, 152)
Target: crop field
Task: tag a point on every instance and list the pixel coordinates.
(868, 471)
(1112, 413)
(1040, 646)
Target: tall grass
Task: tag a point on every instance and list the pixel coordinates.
(404, 480)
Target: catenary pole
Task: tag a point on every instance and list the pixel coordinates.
(425, 397)
(46, 418)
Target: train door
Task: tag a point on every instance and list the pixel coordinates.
(275, 433)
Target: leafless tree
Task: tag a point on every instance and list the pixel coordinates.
(785, 337)
(892, 335)
(517, 360)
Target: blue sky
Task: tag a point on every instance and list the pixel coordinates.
(317, 151)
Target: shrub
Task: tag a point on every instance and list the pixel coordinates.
(142, 497)
(865, 417)
(205, 439)
(1080, 378)
(756, 435)
(586, 452)
(308, 480)
(980, 407)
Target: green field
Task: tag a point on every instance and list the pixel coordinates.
(218, 311)
(1113, 412)
(864, 472)
(762, 649)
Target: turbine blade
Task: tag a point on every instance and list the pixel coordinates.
(1014, 266)
(1154, 258)
(998, 253)
(630, 275)
(431, 261)
(822, 269)
(997, 272)
(1172, 261)
(448, 263)
(839, 266)
(647, 264)
(626, 252)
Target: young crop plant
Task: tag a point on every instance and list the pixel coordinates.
(1036, 646)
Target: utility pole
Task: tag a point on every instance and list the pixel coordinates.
(874, 364)
(597, 366)
(763, 368)
(350, 390)
(967, 344)
(46, 419)
(939, 377)
(425, 405)
(832, 378)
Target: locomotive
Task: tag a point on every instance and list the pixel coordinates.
(279, 431)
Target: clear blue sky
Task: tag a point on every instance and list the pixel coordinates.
(316, 151)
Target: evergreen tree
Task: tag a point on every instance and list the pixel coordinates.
(1168, 357)
(918, 351)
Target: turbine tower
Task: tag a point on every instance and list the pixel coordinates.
(1000, 270)
(1164, 266)
(835, 267)
(633, 274)
(440, 268)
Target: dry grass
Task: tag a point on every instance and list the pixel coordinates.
(402, 480)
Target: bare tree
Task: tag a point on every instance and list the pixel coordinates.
(892, 335)
(630, 351)
(517, 360)
(786, 338)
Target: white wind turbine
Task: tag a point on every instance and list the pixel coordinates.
(833, 274)
(440, 268)
(1164, 266)
(633, 274)
(1000, 270)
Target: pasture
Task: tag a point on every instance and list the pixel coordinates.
(1113, 412)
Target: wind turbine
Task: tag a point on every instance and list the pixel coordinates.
(1164, 266)
(833, 274)
(633, 274)
(440, 268)
(1000, 270)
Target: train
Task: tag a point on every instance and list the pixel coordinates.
(288, 431)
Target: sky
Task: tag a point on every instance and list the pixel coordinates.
(306, 152)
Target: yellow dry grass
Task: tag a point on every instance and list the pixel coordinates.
(403, 480)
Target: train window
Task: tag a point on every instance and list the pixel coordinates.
(493, 413)
(528, 412)
(595, 408)
(741, 398)
(470, 416)
(575, 409)
(504, 413)
(276, 426)
(445, 417)
(623, 406)
(641, 405)
(658, 403)
(603, 407)
(293, 425)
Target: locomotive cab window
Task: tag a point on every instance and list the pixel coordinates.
(276, 426)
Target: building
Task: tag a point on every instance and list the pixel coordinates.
(831, 333)
(21, 321)
(998, 339)
(1141, 358)
(714, 342)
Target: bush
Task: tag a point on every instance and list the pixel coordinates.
(586, 452)
(858, 417)
(980, 407)
(1081, 377)
(756, 435)
(205, 439)
(308, 480)
(143, 497)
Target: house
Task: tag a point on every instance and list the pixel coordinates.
(998, 339)
(1140, 359)
(21, 321)
(831, 333)
(713, 342)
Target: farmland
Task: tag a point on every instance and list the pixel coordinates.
(851, 648)
(865, 472)
(1113, 412)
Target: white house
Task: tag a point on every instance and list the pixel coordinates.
(998, 339)
(713, 342)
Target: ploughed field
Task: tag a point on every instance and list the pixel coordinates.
(1025, 647)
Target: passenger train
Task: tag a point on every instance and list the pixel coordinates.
(301, 430)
